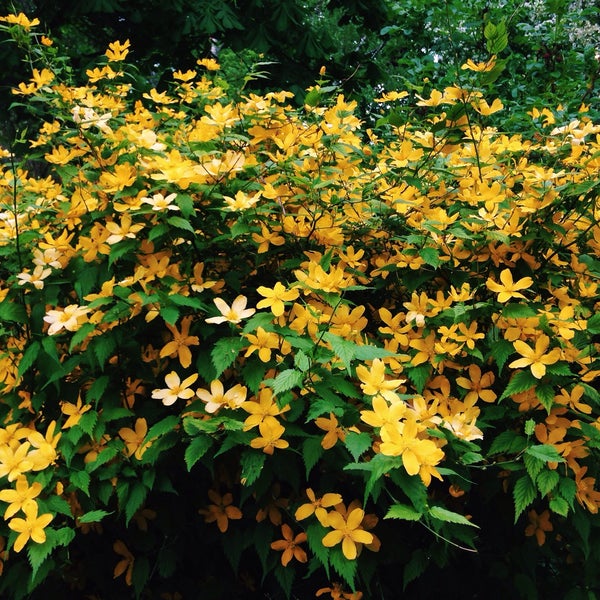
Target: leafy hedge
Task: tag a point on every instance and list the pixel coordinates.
(260, 351)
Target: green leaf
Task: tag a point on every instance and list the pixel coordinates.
(38, 553)
(343, 349)
(546, 481)
(135, 499)
(415, 567)
(81, 481)
(357, 443)
(225, 351)
(593, 324)
(103, 347)
(311, 453)
(180, 223)
(517, 311)
(532, 465)
(559, 506)
(545, 394)
(501, 349)
(368, 352)
(81, 335)
(443, 514)
(252, 463)
(508, 442)
(430, 256)
(345, 568)
(196, 450)
(186, 205)
(29, 357)
(302, 361)
(170, 314)
(140, 574)
(567, 489)
(94, 516)
(403, 511)
(521, 381)
(419, 376)
(523, 494)
(287, 380)
(97, 389)
(11, 311)
(164, 426)
(545, 453)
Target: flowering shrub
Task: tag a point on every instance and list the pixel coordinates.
(250, 348)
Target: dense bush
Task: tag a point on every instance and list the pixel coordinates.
(263, 351)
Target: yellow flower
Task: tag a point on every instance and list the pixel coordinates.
(73, 411)
(290, 546)
(31, 527)
(537, 358)
(374, 381)
(22, 20)
(209, 64)
(334, 432)
(175, 388)
(218, 397)
(275, 297)
(241, 201)
(477, 385)
(347, 531)
(221, 510)
(117, 51)
(36, 278)
(70, 318)
(266, 237)
(271, 431)
(264, 342)
(122, 230)
(481, 66)
(234, 313)
(159, 202)
(317, 506)
(134, 439)
(180, 343)
(14, 460)
(383, 413)
(508, 289)
(22, 493)
(265, 409)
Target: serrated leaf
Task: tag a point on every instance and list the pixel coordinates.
(162, 427)
(545, 453)
(345, 568)
(404, 512)
(38, 553)
(224, 353)
(194, 426)
(546, 481)
(287, 380)
(559, 506)
(81, 335)
(443, 514)
(97, 389)
(501, 349)
(311, 453)
(103, 347)
(521, 381)
(301, 361)
(170, 314)
(419, 376)
(357, 443)
(545, 394)
(517, 311)
(29, 357)
(81, 480)
(508, 442)
(180, 223)
(186, 205)
(285, 578)
(533, 465)
(430, 256)
(140, 574)
(368, 352)
(252, 463)
(343, 349)
(88, 421)
(196, 450)
(93, 516)
(567, 489)
(135, 499)
(524, 494)
(415, 567)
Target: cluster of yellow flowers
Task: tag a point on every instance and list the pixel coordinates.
(425, 277)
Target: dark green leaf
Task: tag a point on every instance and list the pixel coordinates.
(196, 450)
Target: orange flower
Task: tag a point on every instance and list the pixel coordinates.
(221, 511)
(334, 432)
(180, 343)
(125, 565)
(290, 546)
(317, 506)
(347, 531)
(537, 358)
(538, 525)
